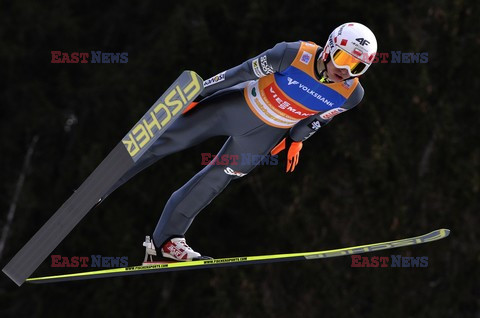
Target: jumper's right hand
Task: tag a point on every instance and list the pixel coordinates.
(293, 152)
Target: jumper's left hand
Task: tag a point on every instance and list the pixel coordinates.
(293, 152)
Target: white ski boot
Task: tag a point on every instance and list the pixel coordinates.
(177, 249)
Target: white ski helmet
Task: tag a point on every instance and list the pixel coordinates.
(351, 46)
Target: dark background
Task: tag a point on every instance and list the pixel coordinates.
(404, 162)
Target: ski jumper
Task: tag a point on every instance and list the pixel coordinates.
(254, 105)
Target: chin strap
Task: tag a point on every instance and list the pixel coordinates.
(322, 71)
(324, 77)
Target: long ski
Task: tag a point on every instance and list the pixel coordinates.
(156, 120)
(247, 260)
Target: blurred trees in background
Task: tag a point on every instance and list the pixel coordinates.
(402, 163)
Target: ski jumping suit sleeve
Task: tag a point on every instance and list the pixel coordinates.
(226, 110)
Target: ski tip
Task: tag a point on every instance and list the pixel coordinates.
(439, 234)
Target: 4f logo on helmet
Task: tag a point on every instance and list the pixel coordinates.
(362, 41)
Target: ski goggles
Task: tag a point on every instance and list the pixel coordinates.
(353, 65)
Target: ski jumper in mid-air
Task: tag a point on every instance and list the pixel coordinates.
(271, 102)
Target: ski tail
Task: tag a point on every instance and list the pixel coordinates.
(151, 126)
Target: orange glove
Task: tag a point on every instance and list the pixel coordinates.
(293, 153)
